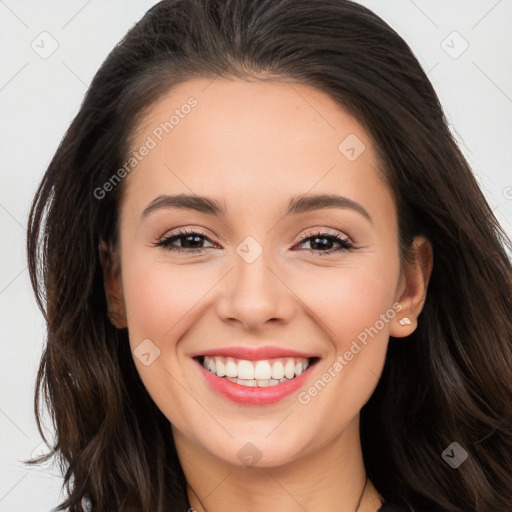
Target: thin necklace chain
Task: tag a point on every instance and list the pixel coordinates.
(360, 497)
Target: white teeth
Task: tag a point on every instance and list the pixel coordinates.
(289, 369)
(231, 368)
(251, 382)
(277, 370)
(220, 368)
(257, 383)
(245, 370)
(256, 373)
(262, 370)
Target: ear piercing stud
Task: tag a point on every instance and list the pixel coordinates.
(404, 321)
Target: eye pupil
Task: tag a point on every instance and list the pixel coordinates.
(316, 245)
(193, 238)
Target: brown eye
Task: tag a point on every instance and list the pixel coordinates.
(322, 242)
(189, 241)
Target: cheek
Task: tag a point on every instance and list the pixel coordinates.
(160, 301)
(159, 296)
(354, 306)
(348, 300)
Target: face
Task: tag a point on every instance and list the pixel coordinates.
(267, 284)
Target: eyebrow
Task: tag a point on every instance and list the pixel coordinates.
(297, 205)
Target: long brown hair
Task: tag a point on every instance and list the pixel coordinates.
(451, 381)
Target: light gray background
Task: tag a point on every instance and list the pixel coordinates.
(40, 96)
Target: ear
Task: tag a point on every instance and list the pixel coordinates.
(111, 264)
(412, 289)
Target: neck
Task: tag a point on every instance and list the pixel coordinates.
(332, 478)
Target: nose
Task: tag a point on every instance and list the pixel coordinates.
(254, 294)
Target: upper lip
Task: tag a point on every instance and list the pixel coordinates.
(254, 353)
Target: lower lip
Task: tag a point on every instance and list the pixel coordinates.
(248, 395)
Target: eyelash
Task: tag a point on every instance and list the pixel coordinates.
(345, 244)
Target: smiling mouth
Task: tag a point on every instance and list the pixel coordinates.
(260, 373)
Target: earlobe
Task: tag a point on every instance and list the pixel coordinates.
(416, 275)
(112, 282)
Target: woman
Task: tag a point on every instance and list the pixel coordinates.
(270, 277)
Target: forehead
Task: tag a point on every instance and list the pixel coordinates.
(241, 140)
(246, 115)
